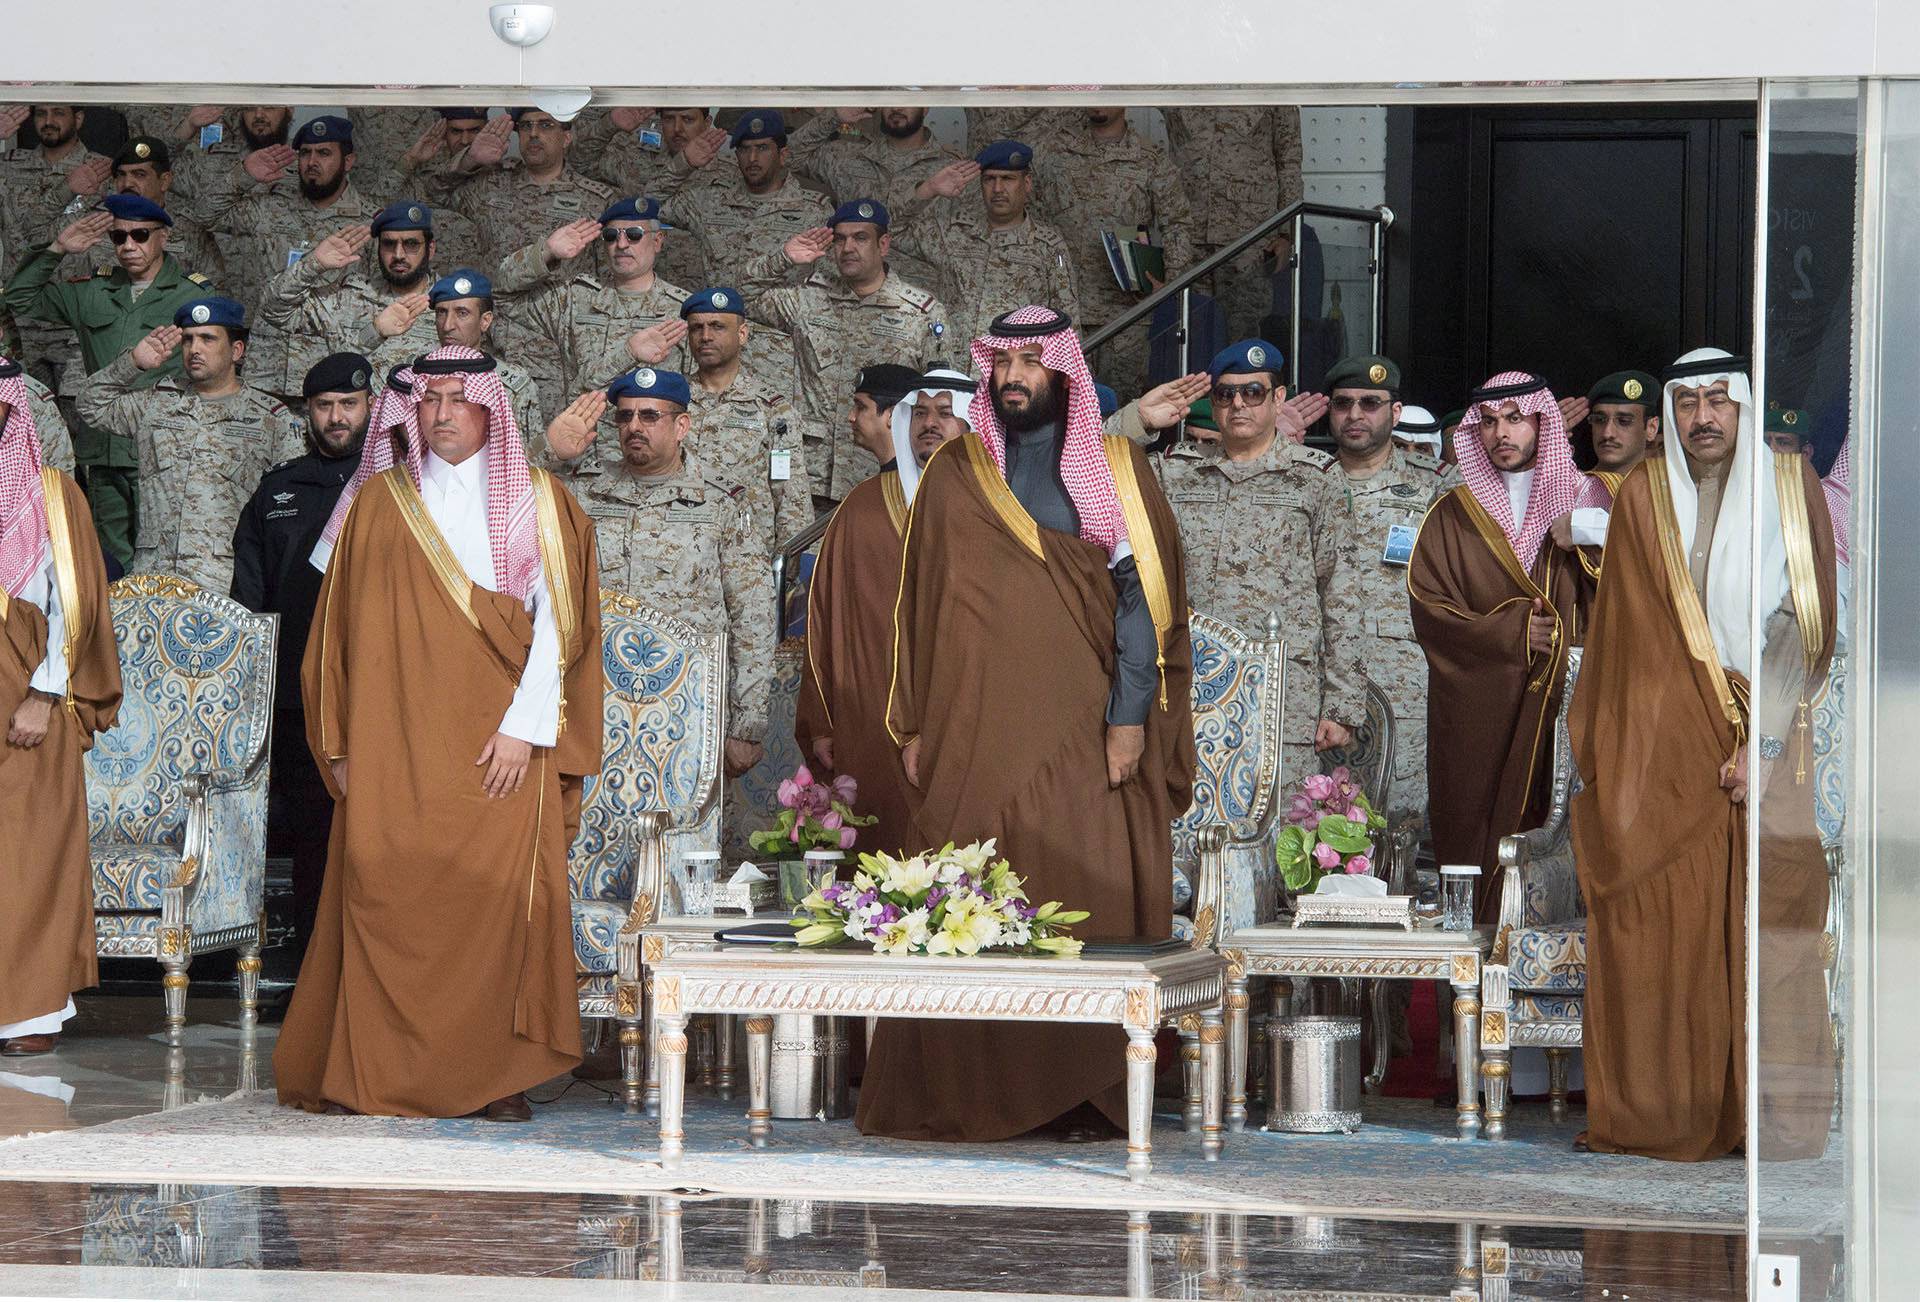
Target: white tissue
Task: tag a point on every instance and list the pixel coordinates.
(1351, 884)
(746, 874)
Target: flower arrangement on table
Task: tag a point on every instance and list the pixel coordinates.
(1330, 829)
(945, 901)
(813, 816)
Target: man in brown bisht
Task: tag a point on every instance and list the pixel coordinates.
(840, 719)
(1670, 735)
(1041, 697)
(59, 686)
(452, 685)
(1495, 607)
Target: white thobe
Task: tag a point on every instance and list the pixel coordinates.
(456, 498)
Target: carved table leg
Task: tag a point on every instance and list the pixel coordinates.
(671, 1267)
(759, 1079)
(1466, 1051)
(1558, 1072)
(1140, 1060)
(726, 1072)
(1236, 1047)
(633, 1037)
(1496, 1045)
(1190, 1083)
(672, 1046)
(1212, 1048)
(650, 1090)
(1139, 1255)
(248, 967)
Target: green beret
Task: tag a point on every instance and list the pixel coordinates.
(1789, 420)
(1364, 371)
(1453, 418)
(1200, 416)
(1627, 386)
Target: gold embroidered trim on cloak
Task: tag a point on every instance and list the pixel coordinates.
(66, 574)
(999, 496)
(896, 498)
(1796, 533)
(1686, 602)
(553, 559)
(446, 566)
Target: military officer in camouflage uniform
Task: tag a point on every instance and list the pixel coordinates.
(742, 218)
(56, 445)
(42, 188)
(105, 314)
(1264, 528)
(325, 302)
(1097, 175)
(986, 125)
(456, 238)
(865, 313)
(279, 224)
(641, 151)
(203, 446)
(994, 254)
(884, 154)
(677, 538)
(462, 307)
(1388, 492)
(600, 326)
(1242, 165)
(382, 135)
(743, 431)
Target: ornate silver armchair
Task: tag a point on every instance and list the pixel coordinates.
(1533, 987)
(177, 789)
(658, 787)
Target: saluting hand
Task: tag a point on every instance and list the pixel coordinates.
(1298, 414)
(89, 176)
(650, 346)
(397, 317)
(808, 246)
(848, 116)
(430, 143)
(951, 181)
(342, 248)
(1573, 411)
(82, 233)
(705, 147)
(157, 347)
(630, 119)
(572, 432)
(490, 146)
(268, 165)
(1166, 405)
(505, 759)
(1540, 626)
(202, 115)
(13, 117)
(571, 240)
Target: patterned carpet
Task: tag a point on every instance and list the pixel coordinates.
(1405, 1160)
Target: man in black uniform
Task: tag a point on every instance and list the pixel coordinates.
(272, 572)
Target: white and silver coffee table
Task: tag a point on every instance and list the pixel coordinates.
(1139, 995)
(1281, 950)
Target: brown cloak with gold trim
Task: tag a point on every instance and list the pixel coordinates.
(1491, 700)
(1004, 658)
(46, 874)
(849, 656)
(1661, 851)
(441, 972)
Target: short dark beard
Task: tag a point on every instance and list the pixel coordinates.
(315, 192)
(325, 453)
(262, 142)
(402, 285)
(903, 133)
(1042, 411)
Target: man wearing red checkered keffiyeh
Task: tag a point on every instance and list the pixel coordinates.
(452, 686)
(59, 686)
(1041, 697)
(1496, 605)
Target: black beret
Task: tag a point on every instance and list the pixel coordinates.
(338, 373)
(886, 383)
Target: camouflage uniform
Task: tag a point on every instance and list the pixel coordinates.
(684, 544)
(633, 169)
(860, 163)
(1398, 494)
(277, 225)
(986, 125)
(735, 433)
(512, 210)
(1271, 535)
(456, 237)
(1242, 165)
(1088, 186)
(34, 206)
(734, 227)
(984, 272)
(56, 445)
(200, 460)
(381, 137)
(835, 333)
(320, 312)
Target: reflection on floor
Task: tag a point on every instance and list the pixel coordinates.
(71, 1238)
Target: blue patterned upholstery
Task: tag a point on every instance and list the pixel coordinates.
(1542, 1007)
(1552, 957)
(177, 789)
(754, 802)
(595, 925)
(1237, 687)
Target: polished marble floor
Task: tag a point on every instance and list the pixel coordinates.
(242, 1240)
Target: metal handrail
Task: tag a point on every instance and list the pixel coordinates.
(1294, 215)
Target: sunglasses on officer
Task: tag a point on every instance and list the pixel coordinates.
(626, 234)
(138, 234)
(1226, 395)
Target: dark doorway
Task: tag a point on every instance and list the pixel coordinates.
(1568, 241)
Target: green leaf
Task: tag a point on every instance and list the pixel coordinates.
(1344, 835)
(1293, 851)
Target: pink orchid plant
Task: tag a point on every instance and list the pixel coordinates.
(814, 815)
(1330, 829)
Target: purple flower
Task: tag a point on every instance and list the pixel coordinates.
(1326, 856)
(1299, 809)
(1359, 865)
(1341, 773)
(1319, 786)
(847, 837)
(1357, 815)
(832, 821)
(803, 776)
(845, 788)
(935, 895)
(789, 793)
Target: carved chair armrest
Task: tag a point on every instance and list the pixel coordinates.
(1210, 929)
(649, 885)
(177, 893)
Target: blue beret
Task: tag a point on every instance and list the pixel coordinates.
(646, 382)
(211, 311)
(464, 283)
(720, 298)
(325, 130)
(861, 210)
(133, 208)
(758, 124)
(1005, 156)
(638, 208)
(1246, 356)
(1109, 400)
(463, 114)
(404, 215)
